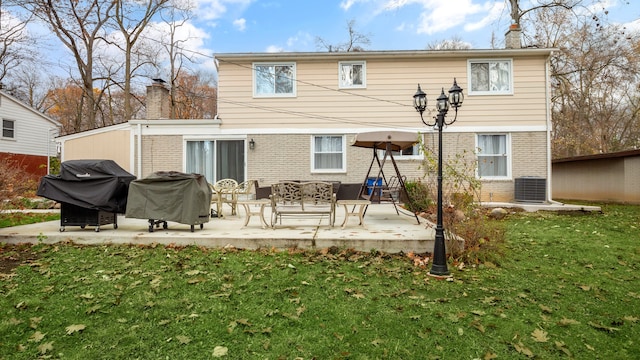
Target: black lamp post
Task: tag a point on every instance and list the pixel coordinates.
(439, 265)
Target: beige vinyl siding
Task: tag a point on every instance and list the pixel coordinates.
(387, 99)
(111, 145)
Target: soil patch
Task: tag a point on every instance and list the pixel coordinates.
(12, 256)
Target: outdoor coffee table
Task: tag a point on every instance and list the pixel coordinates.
(362, 205)
(250, 209)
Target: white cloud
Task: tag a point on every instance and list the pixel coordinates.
(441, 16)
(215, 9)
(240, 24)
(438, 16)
(300, 39)
(274, 48)
(189, 38)
(633, 26)
(347, 4)
(495, 12)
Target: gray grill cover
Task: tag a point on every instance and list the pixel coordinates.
(170, 196)
(92, 184)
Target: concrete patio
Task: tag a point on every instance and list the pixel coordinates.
(384, 231)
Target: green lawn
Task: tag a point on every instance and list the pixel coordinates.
(20, 218)
(567, 287)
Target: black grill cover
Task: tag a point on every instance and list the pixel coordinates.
(92, 184)
(170, 196)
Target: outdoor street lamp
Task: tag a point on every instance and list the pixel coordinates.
(439, 265)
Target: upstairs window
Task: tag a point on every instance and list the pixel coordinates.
(352, 74)
(8, 129)
(274, 80)
(490, 77)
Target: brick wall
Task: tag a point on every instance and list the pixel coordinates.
(282, 157)
(161, 153)
(529, 158)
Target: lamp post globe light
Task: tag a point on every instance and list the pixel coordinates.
(439, 263)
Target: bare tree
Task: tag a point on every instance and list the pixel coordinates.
(17, 48)
(175, 18)
(79, 25)
(595, 83)
(356, 41)
(195, 96)
(31, 87)
(517, 13)
(455, 43)
(131, 28)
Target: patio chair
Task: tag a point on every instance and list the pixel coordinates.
(225, 193)
(246, 190)
(392, 191)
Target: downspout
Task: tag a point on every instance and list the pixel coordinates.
(549, 126)
(132, 153)
(139, 151)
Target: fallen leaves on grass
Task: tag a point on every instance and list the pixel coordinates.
(74, 328)
(523, 349)
(602, 327)
(539, 335)
(567, 322)
(36, 337)
(220, 351)
(46, 347)
(183, 339)
(562, 347)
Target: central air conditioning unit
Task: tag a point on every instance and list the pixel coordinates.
(531, 189)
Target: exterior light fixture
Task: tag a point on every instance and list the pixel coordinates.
(454, 100)
(252, 144)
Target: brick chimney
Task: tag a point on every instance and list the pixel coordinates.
(158, 106)
(512, 37)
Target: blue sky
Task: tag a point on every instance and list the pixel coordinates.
(293, 25)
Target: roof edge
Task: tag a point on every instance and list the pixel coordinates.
(388, 53)
(619, 154)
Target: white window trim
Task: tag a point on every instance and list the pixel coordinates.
(509, 158)
(475, 61)
(364, 75)
(15, 130)
(328, 171)
(275, 95)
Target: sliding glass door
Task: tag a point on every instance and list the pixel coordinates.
(216, 159)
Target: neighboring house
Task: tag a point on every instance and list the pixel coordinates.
(603, 177)
(27, 136)
(294, 115)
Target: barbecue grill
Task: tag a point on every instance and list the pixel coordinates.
(90, 192)
(170, 196)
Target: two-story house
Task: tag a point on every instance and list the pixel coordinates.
(294, 115)
(27, 136)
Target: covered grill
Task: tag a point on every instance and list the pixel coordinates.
(90, 192)
(170, 196)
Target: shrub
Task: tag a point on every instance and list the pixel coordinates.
(462, 216)
(15, 185)
(419, 197)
